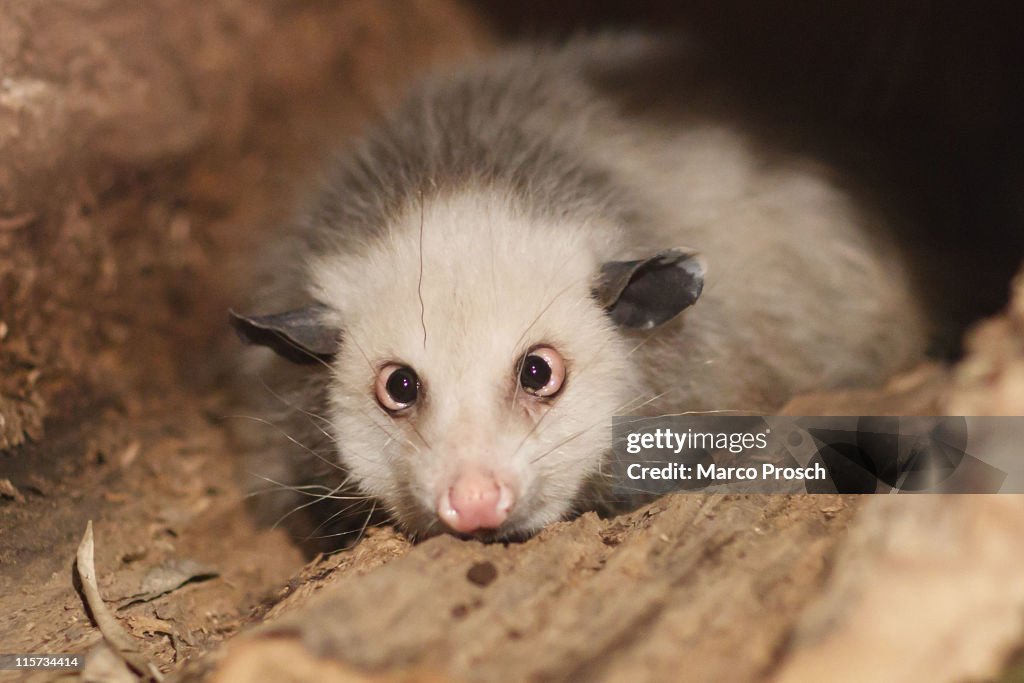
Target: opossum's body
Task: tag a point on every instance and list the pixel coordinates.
(476, 224)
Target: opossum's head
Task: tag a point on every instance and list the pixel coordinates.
(476, 362)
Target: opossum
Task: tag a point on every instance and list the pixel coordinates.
(531, 244)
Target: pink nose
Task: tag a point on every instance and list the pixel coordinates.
(477, 500)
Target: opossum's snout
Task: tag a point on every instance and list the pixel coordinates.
(477, 500)
(481, 499)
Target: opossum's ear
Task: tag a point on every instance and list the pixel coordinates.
(301, 335)
(646, 293)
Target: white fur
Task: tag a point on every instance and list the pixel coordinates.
(800, 295)
(532, 179)
(495, 283)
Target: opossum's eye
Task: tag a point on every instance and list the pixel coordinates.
(397, 387)
(542, 372)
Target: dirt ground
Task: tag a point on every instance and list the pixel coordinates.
(147, 154)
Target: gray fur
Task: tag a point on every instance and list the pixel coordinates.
(805, 290)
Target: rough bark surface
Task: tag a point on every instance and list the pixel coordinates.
(904, 588)
(146, 150)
